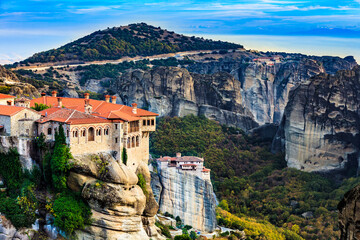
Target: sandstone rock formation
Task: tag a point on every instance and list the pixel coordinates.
(172, 91)
(121, 210)
(185, 195)
(321, 123)
(349, 215)
(265, 88)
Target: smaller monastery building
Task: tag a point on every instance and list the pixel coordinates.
(190, 164)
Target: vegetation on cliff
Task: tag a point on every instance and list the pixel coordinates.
(69, 210)
(253, 181)
(18, 202)
(132, 40)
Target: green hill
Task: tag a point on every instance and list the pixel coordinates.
(132, 40)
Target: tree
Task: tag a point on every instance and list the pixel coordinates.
(193, 235)
(40, 107)
(124, 156)
(60, 160)
(224, 205)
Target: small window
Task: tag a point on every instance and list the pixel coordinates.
(49, 131)
(133, 142)
(128, 143)
(67, 133)
(116, 140)
(144, 122)
(116, 126)
(152, 122)
(137, 141)
(148, 122)
(25, 115)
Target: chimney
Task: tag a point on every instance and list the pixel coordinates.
(88, 107)
(9, 103)
(54, 93)
(43, 94)
(107, 98)
(178, 155)
(59, 102)
(113, 99)
(86, 95)
(134, 108)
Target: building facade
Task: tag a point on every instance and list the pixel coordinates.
(93, 126)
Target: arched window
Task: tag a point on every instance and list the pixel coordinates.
(152, 122)
(148, 122)
(128, 143)
(133, 142)
(75, 133)
(137, 141)
(91, 134)
(49, 131)
(144, 122)
(83, 133)
(98, 132)
(106, 131)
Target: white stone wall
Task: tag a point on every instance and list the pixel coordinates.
(3, 101)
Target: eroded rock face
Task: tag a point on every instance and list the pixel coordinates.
(172, 91)
(321, 123)
(186, 195)
(349, 215)
(265, 88)
(120, 208)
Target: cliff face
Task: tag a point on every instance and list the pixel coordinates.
(120, 208)
(185, 195)
(15, 85)
(172, 91)
(349, 215)
(265, 87)
(320, 127)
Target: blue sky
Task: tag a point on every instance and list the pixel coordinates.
(31, 26)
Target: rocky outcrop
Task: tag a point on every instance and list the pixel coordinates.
(265, 87)
(120, 208)
(9, 232)
(16, 85)
(186, 195)
(349, 215)
(172, 91)
(25, 146)
(321, 123)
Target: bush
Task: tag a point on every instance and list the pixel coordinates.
(14, 213)
(71, 212)
(142, 184)
(11, 170)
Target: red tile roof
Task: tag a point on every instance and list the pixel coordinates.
(206, 170)
(7, 110)
(5, 96)
(70, 116)
(189, 165)
(182, 159)
(100, 108)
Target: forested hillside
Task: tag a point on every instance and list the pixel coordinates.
(132, 40)
(251, 181)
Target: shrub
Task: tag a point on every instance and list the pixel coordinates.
(142, 184)
(71, 212)
(124, 156)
